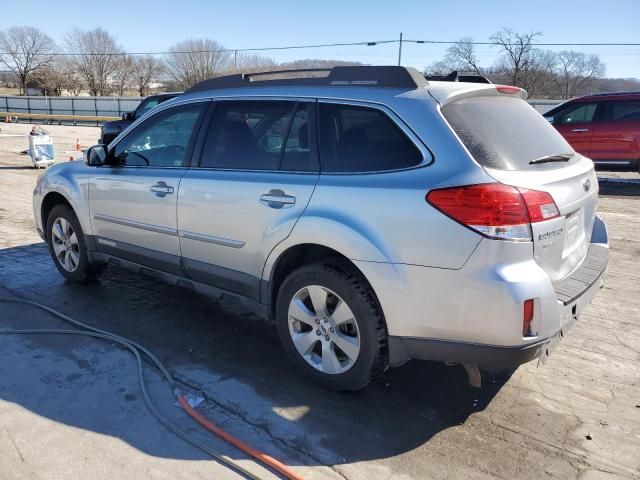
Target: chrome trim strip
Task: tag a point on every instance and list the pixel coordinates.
(613, 162)
(133, 224)
(226, 242)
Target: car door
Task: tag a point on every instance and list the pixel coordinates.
(258, 168)
(133, 200)
(617, 137)
(576, 123)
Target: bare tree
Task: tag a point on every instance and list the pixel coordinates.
(461, 56)
(59, 77)
(193, 61)
(573, 71)
(517, 51)
(25, 50)
(146, 70)
(123, 75)
(95, 56)
(247, 63)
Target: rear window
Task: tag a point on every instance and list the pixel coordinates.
(506, 133)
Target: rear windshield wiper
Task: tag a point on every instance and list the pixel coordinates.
(561, 157)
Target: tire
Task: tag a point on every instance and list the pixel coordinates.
(317, 333)
(73, 265)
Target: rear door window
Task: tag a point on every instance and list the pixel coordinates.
(506, 133)
(362, 139)
(623, 111)
(260, 135)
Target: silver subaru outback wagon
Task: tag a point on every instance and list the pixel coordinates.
(374, 216)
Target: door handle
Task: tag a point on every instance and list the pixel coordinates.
(580, 130)
(161, 189)
(276, 198)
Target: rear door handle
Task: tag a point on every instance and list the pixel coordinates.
(580, 130)
(276, 198)
(161, 189)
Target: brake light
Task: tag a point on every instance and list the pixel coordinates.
(495, 210)
(508, 89)
(527, 318)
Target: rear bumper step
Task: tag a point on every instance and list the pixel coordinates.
(569, 289)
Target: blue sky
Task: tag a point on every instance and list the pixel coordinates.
(155, 25)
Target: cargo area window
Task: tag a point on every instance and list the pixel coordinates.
(362, 139)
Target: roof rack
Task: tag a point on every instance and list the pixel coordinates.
(360, 76)
(457, 76)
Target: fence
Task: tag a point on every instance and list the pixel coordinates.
(116, 106)
(544, 106)
(80, 106)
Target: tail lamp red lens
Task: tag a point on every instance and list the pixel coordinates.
(527, 318)
(494, 209)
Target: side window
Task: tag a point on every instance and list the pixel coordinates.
(258, 135)
(362, 139)
(580, 113)
(162, 140)
(623, 111)
(299, 152)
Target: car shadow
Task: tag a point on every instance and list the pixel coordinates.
(222, 350)
(622, 187)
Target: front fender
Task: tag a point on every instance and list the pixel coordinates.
(70, 180)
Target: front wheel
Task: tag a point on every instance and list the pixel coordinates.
(331, 325)
(67, 246)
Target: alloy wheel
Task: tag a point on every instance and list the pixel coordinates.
(323, 329)
(65, 244)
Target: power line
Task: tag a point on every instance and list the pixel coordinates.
(341, 44)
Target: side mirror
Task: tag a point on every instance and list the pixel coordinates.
(97, 155)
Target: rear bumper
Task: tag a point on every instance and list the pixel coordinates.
(498, 342)
(402, 349)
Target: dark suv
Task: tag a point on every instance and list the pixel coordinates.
(603, 127)
(111, 130)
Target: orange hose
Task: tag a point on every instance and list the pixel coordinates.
(257, 454)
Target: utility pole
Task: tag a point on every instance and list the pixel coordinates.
(235, 59)
(400, 50)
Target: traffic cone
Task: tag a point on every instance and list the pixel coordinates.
(78, 148)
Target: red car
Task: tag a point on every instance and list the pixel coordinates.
(604, 127)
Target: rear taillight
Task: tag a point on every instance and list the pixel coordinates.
(494, 209)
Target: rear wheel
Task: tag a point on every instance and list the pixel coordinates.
(331, 325)
(67, 245)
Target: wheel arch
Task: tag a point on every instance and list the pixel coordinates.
(296, 256)
(51, 200)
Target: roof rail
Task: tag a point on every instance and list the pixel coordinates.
(630, 92)
(457, 76)
(360, 76)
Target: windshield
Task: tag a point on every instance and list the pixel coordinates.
(507, 133)
(145, 106)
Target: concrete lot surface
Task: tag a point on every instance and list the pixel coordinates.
(71, 407)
